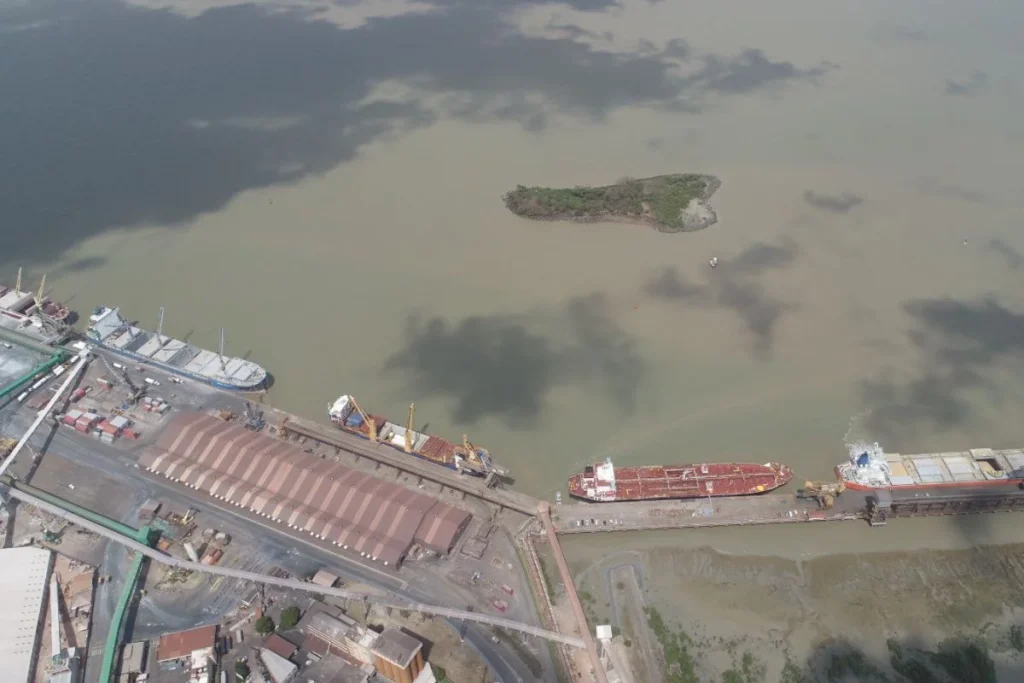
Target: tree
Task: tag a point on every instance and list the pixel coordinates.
(241, 671)
(289, 617)
(264, 625)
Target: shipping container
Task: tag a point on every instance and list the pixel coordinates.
(120, 421)
(74, 414)
(130, 433)
(82, 428)
(68, 420)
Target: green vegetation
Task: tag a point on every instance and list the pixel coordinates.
(289, 618)
(679, 664)
(1016, 638)
(749, 671)
(241, 671)
(791, 673)
(264, 625)
(659, 201)
(440, 674)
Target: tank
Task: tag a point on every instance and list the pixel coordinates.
(190, 551)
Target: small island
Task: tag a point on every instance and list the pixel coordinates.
(670, 203)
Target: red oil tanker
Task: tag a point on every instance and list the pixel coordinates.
(603, 482)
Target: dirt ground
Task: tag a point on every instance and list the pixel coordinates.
(460, 663)
(837, 618)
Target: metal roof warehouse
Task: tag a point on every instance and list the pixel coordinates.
(354, 510)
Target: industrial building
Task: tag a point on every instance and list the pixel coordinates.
(340, 636)
(24, 574)
(353, 510)
(397, 656)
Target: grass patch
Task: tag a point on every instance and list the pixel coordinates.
(791, 673)
(750, 670)
(680, 666)
(659, 200)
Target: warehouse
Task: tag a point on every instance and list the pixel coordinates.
(353, 510)
(24, 573)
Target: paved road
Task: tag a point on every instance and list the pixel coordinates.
(116, 466)
(394, 601)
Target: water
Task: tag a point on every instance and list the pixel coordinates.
(329, 191)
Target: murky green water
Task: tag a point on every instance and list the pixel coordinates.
(329, 191)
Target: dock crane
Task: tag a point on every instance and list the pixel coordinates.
(371, 424)
(408, 429)
(825, 493)
(134, 392)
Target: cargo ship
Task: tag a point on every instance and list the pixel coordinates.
(870, 468)
(465, 458)
(605, 483)
(14, 301)
(110, 331)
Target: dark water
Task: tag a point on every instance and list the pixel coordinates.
(324, 180)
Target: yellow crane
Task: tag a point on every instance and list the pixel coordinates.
(39, 297)
(470, 449)
(408, 429)
(370, 423)
(823, 492)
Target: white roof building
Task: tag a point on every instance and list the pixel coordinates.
(24, 573)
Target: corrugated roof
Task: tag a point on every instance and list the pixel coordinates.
(396, 646)
(23, 576)
(279, 668)
(275, 479)
(280, 646)
(183, 643)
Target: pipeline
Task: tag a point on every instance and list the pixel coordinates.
(110, 649)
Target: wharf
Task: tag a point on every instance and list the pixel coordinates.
(291, 426)
(580, 518)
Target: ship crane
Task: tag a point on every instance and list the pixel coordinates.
(371, 424)
(134, 392)
(823, 492)
(408, 429)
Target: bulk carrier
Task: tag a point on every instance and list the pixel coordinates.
(870, 468)
(465, 458)
(110, 331)
(605, 483)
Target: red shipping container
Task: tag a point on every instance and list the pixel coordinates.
(108, 428)
(82, 428)
(130, 433)
(68, 420)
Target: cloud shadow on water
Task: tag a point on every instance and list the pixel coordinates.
(958, 345)
(118, 116)
(840, 203)
(1014, 259)
(732, 286)
(969, 87)
(505, 366)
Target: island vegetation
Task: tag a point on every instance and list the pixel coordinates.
(670, 203)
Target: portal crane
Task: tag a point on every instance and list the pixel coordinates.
(408, 429)
(371, 424)
(823, 492)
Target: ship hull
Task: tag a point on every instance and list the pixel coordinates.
(179, 372)
(988, 486)
(676, 482)
(448, 465)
